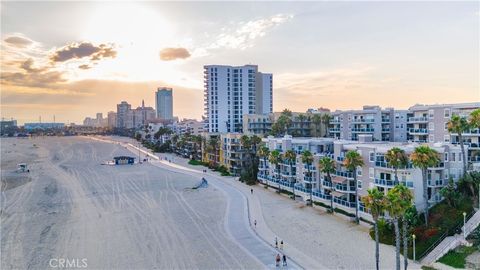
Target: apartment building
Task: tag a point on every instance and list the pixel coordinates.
(309, 124)
(190, 126)
(232, 153)
(164, 103)
(374, 173)
(124, 115)
(383, 124)
(232, 91)
(295, 175)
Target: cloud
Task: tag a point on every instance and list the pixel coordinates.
(243, 34)
(84, 67)
(169, 54)
(18, 41)
(29, 75)
(83, 50)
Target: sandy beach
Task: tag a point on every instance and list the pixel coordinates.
(116, 217)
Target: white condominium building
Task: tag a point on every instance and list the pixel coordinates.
(375, 172)
(232, 91)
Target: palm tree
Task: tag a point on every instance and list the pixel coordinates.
(326, 118)
(291, 157)
(301, 118)
(399, 199)
(255, 141)
(396, 158)
(424, 157)
(474, 119)
(247, 145)
(214, 143)
(393, 207)
(264, 153)
(327, 165)
(275, 158)
(406, 198)
(353, 160)
(317, 120)
(459, 125)
(307, 158)
(375, 202)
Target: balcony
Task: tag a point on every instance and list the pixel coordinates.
(385, 120)
(421, 119)
(472, 132)
(384, 164)
(385, 183)
(344, 202)
(418, 131)
(344, 188)
(327, 183)
(363, 120)
(436, 183)
(344, 174)
(334, 130)
(385, 130)
(341, 159)
(439, 166)
(362, 130)
(308, 179)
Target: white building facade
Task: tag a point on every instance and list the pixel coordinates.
(232, 91)
(164, 103)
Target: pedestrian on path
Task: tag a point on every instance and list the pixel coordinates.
(277, 260)
(284, 259)
(255, 223)
(276, 242)
(251, 190)
(281, 244)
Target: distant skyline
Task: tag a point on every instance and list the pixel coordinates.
(74, 59)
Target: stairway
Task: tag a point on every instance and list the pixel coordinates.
(451, 242)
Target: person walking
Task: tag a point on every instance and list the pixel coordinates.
(284, 260)
(251, 191)
(277, 260)
(255, 223)
(281, 244)
(276, 242)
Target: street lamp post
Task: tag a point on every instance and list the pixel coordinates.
(464, 231)
(413, 237)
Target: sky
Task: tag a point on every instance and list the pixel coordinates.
(74, 59)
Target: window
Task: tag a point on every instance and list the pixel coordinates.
(445, 157)
(453, 157)
(359, 171)
(446, 126)
(371, 173)
(431, 126)
(430, 114)
(430, 138)
(446, 138)
(460, 157)
(359, 184)
(447, 113)
(372, 156)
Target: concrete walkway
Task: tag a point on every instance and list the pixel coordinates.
(452, 242)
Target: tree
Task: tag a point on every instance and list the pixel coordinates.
(275, 158)
(450, 193)
(393, 208)
(326, 118)
(301, 118)
(264, 153)
(327, 166)
(213, 144)
(307, 158)
(424, 157)
(459, 125)
(247, 146)
(375, 202)
(255, 141)
(352, 161)
(291, 157)
(316, 120)
(396, 158)
(474, 119)
(406, 198)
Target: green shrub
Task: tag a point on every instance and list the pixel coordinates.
(195, 162)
